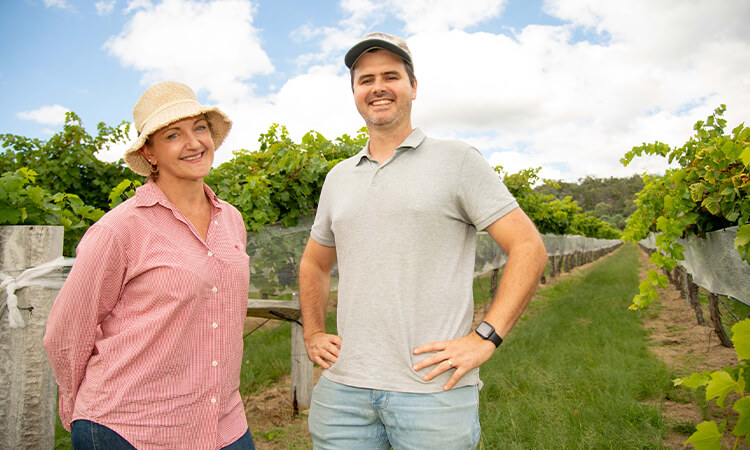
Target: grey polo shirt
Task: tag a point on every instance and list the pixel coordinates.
(405, 238)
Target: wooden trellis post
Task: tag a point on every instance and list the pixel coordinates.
(713, 305)
(302, 367)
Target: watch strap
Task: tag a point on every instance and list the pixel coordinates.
(492, 336)
(495, 339)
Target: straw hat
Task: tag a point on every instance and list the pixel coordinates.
(165, 103)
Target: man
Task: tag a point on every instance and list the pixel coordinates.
(401, 218)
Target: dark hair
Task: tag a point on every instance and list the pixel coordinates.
(408, 66)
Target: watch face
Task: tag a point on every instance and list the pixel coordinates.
(485, 330)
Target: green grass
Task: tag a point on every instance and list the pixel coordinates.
(267, 361)
(576, 372)
(62, 436)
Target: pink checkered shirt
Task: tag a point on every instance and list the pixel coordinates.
(145, 336)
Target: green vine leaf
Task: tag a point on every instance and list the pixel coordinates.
(695, 380)
(743, 236)
(741, 339)
(742, 427)
(706, 437)
(745, 155)
(708, 190)
(721, 384)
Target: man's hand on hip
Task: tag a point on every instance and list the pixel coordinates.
(460, 355)
(323, 349)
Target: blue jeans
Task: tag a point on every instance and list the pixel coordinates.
(87, 435)
(345, 417)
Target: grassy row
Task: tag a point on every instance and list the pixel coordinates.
(576, 372)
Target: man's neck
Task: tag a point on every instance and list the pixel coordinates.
(383, 143)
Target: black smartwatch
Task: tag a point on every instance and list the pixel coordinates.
(487, 331)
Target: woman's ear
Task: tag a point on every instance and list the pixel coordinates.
(145, 150)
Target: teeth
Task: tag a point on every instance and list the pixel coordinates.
(190, 158)
(380, 102)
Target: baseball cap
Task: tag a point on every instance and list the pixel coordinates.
(385, 41)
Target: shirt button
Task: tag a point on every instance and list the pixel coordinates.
(210, 254)
(215, 325)
(215, 363)
(215, 289)
(216, 222)
(213, 399)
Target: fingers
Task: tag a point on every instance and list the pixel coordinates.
(457, 355)
(443, 366)
(431, 347)
(323, 349)
(430, 360)
(454, 379)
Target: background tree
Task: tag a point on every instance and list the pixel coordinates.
(60, 181)
(552, 215)
(609, 199)
(67, 161)
(281, 180)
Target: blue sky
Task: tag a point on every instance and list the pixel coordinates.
(566, 85)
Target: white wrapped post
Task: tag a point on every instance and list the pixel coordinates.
(28, 393)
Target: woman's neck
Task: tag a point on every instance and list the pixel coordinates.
(187, 195)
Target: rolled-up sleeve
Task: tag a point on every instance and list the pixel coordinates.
(88, 295)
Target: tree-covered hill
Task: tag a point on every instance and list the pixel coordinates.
(609, 199)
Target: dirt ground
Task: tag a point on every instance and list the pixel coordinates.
(686, 347)
(675, 337)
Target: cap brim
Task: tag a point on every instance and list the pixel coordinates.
(361, 47)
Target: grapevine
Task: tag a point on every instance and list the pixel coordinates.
(707, 191)
(729, 384)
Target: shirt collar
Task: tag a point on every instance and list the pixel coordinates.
(149, 195)
(412, 141)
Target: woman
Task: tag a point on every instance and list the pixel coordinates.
(145, 337)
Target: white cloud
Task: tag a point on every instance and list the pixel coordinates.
(318, 100)
(62, 4)
(544, 96)
(115, 151)
(424, 15)
(134, 5)
(576, 107)
(104, 7)
(419, 16)
(209, 46)
(443, 15)
(47, 115)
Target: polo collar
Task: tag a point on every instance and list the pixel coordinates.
(412, 141)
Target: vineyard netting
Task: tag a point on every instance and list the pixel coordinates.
(276, 250)
(714, 263)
